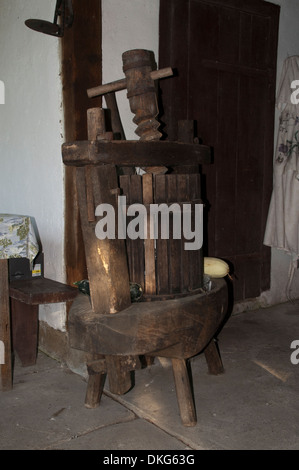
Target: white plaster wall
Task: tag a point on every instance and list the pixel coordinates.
(127, 24)
(31, 169)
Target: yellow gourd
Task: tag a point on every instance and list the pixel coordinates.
(215, 267)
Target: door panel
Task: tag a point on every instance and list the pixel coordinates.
(224, 53)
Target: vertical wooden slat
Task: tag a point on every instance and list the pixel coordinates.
(178, 270)
(183, 197)
(124, 184)
(106, 259)
(95, 127)
(174, 245)
(149, 243)
(191, 191)
(131, 187)
(5, 335)
(161, 245)
(137, 246)
(117, 127)
(195, 256)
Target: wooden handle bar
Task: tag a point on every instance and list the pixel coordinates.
(122, 84)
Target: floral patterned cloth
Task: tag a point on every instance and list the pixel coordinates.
(17, 237)
(288, 143)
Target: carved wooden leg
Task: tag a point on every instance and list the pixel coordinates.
(184, 392)
(95, 386)
(96, 380)
(213, 358)
(119, 375)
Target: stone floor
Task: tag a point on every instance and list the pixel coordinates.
(253, 405)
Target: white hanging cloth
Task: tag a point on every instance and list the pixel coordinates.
(282, 228)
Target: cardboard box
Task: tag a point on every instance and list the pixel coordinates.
(19, 268)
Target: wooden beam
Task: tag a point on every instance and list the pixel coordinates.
(134, 152)
(81, 57)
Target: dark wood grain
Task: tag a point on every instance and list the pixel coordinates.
(225, 54)
(171, 328)
(5, 328)
(81, 58)
(41, 291)
(134, 152)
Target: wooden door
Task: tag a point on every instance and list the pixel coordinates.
(224, 56)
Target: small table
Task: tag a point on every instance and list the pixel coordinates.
(17, 240)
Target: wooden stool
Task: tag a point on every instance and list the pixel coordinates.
(26, 296)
